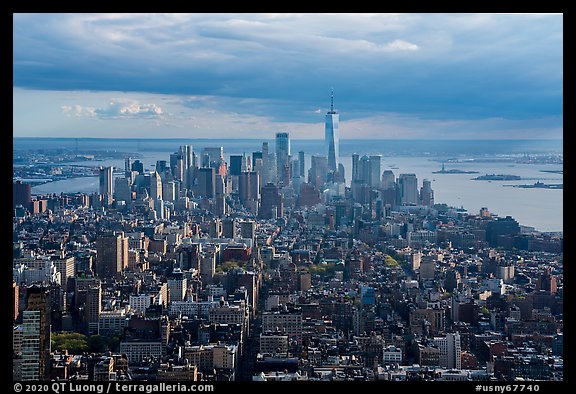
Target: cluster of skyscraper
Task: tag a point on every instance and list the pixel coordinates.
(262, 182)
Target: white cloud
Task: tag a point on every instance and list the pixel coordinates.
(401, 45)
(116, 108)
(77, 110)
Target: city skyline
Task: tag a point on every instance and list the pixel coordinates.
(463, 76)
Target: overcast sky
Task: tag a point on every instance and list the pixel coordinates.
(463, 76)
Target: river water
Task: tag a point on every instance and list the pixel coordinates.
(539, 208)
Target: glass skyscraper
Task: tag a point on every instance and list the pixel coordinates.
(105, 180)
(332, 136)
(282, 152)
(408, 189)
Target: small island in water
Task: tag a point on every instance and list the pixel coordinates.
(553, 171)
(497, 177)
(453, 171)
(540, 185)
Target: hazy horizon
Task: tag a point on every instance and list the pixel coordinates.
(388, 147)
(297, 139)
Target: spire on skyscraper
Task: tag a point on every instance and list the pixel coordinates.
(332, 101)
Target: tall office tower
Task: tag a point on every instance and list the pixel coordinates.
(186, 152)
(207, 264)
(215, 228)
(169, 191)
(220, 193)
(284, 173)
(127, 165)
(249, 186)
(259, 169)
(302, 164)
(355, 166)
(15, 299)
(138, 166)
(426, 193)
(364, 169)
(318, 171)
(93, 307)
(66, 266)
(160, 209)
(408, 189)
(547, 282)
(254, 185)
(111, 254)
(389, 194)
(265, 174)
(450, 350)
(81, 290)
(294, 169)
(272, 205)
(308, 195)
(195, 160)
(282, 153)
(188, 255)
(236, 164)
(332, 136)
(501, 226)
(21, 194)
(105, 181)
(243, 186)
(207, 182)
(122, 190)
(177, 286)
(212, 156)
(256, 155)
(191, 168)
(375, 170)
(161, 166)
(388, 180)
(272, 169)
(155, 186)
(248, 229)
(36, 334)
(229, 228)
(246, 163)
(340, 175)
(176, 166)
(265, 152)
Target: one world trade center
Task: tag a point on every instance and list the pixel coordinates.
(332, 136)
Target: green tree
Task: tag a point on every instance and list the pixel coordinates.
(113, 343)
(324, 269)
(229, 265)
(73, 342)
(390, 261)
(96, 344)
